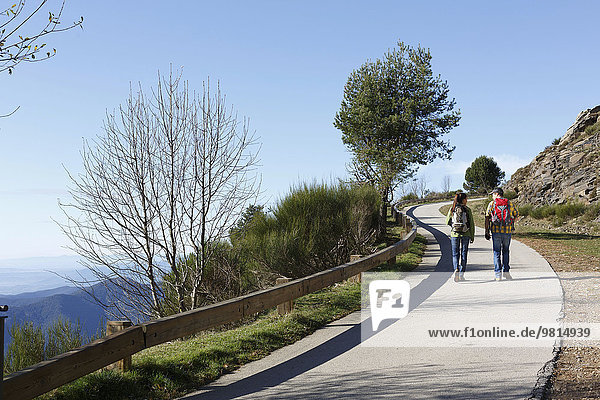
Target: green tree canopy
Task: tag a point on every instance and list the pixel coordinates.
(392, 117)
(483, 175)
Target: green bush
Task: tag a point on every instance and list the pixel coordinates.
(227, 274)
(569, 210)
(31, 345)
(542, 212)
(592, 212)
(315, 227)
(510, 194)
(440, 195)
(593, 128)
(409, 197)
(26, 347)
(63, 336)
(525, 210)
(561, 212)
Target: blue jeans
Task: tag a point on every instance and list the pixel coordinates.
(501, 244)
(460, 247)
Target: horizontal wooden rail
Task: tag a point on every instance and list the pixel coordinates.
(47, 375)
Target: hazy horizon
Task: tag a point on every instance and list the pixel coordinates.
(34, 274)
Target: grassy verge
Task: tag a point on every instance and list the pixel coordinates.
(410, 259)
(176, 368)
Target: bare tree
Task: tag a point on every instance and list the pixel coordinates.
(422, 186)
(418, 186)
(446, 183)
(164, 185)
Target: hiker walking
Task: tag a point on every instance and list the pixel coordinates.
(460, 218)
(500, 219)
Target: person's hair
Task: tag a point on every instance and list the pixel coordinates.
(499, 191)
(458, 199)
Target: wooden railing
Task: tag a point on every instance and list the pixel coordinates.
(47, 375)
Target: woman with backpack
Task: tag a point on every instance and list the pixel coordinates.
(460, 219)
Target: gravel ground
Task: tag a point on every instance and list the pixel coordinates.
(576, 374)
(577, 371)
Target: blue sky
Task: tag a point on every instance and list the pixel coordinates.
(520, 71)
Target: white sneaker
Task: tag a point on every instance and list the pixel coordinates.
(506, 275)
(456, 276)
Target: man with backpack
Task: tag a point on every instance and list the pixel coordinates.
(500, 219)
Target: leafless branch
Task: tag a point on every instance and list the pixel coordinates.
(17, 46)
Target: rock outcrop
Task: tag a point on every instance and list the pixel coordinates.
(565, 171)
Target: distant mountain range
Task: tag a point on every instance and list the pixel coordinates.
(35, 291)
(46, 306)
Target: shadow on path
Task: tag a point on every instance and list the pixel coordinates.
(339, 344)
(428, 286)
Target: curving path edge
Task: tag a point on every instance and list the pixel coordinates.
(332, 363)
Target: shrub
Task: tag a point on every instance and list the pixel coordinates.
(510, 194)
(560, 211)
(592, 212)
(409, 197)
(440, 195)
(569, 210)
(228, 274)
(26, 347)
(593, 128)
(539, 212)
(313, 228)
(63, 336)
(31, 345)
(525, 210)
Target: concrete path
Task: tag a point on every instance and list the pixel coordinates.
(399, 360)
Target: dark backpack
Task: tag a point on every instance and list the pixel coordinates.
(501, 215)
(460, 220)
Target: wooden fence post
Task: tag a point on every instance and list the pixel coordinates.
(113, 327)
(284, 308)
(358, 277)
(2, 318)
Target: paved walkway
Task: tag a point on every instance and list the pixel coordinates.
(333, 364)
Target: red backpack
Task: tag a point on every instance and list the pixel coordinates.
(501, 215)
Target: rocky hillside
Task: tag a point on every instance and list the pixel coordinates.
(565, 171)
